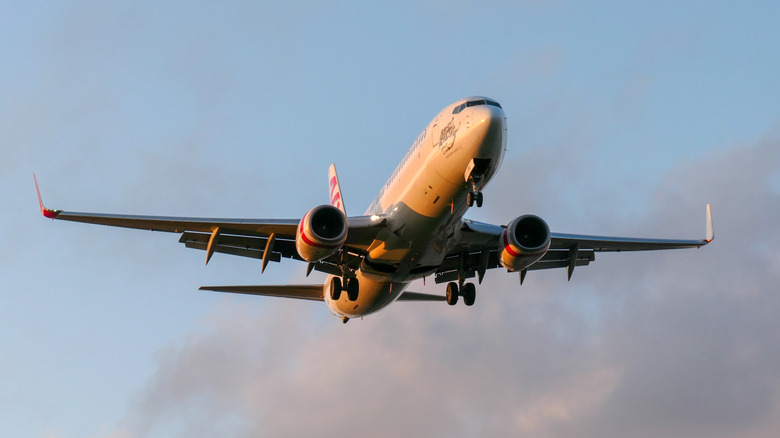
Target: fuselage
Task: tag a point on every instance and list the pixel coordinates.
(424, 201)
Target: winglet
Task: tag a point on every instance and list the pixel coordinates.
(47, 212)
(335, 189)
(710, 228)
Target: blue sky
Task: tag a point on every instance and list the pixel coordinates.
(624, 119)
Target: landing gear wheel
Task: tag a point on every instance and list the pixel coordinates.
(452, 293)
(479, 199)
(335, 288)
(470, 199)
(469, 292)
(353, 287)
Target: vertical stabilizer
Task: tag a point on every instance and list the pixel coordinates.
(335, 190)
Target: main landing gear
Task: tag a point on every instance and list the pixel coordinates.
(467, 290)
(336, 286)
(474, 197)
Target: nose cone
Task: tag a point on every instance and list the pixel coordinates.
(488, 126)
(487, 117)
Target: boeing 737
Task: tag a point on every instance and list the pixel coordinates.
(413, 229)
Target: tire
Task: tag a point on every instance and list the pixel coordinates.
(353, 288)
(479, 199)
(470, 198)
(469, 294)
(335, 288)
(452, 293)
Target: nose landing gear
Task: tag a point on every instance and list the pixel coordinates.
(475, 172)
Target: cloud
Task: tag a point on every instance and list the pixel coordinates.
(679, 343)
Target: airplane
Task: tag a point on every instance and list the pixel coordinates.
(412, 230)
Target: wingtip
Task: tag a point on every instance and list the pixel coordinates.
(710, 229)
(47, 212)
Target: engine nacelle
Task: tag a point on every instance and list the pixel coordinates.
(524, 241)
(322, 231)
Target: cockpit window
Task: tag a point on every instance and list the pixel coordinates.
(471, 103)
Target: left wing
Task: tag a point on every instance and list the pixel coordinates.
(477, 250)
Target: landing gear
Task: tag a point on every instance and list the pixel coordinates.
(452, 293)
(335, 288)
(467, 290)
(353, 287)
(476, 171)
(474, 197)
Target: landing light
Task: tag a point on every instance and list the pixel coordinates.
(374, 217)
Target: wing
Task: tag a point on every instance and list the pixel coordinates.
(264, 239)
(477, 250)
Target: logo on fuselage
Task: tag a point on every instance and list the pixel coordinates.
(447, 136)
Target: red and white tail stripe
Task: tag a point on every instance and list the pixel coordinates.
(335, 190)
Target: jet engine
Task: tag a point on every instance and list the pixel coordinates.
(322, 231)
(524, 241)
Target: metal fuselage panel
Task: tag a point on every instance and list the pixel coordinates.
(424, 201)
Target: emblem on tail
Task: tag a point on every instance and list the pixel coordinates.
(335, 189)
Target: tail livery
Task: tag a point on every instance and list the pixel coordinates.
(335, 190)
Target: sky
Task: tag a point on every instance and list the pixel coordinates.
(624, 118)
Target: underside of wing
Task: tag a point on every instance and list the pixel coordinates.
(172, 224)
(478, 250)
(265, 239)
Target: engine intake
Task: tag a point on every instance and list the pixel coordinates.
(321, 232)
(524, 241)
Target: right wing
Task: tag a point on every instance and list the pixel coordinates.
(265, 239)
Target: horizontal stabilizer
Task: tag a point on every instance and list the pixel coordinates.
(417, 296)
(301, 292)
(306, 292)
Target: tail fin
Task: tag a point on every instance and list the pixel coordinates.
(335, 190)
